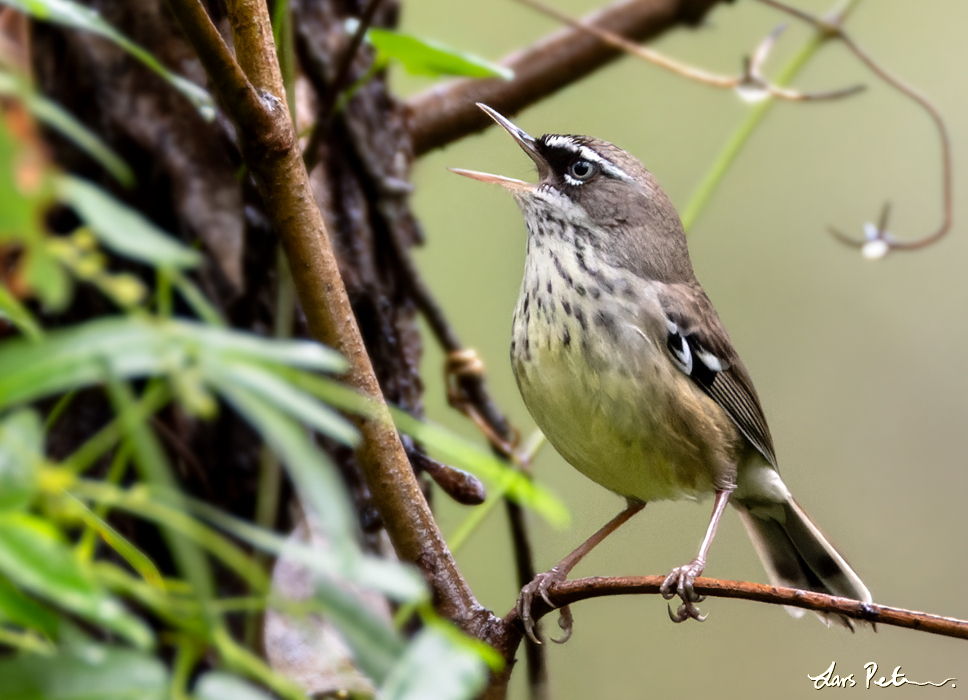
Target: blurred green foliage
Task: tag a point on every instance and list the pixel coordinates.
(58, 594)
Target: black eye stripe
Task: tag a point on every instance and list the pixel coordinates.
(559, 158)
(560, 151)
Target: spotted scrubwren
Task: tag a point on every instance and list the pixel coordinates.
(626, 367)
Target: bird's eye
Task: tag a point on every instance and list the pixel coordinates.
(582, 170)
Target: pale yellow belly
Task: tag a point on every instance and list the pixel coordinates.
(631, 422)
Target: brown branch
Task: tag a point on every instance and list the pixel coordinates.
(750, 81)
(447, 112)
(227, 77)
(573, 591)
(270, 150)
(252, 32)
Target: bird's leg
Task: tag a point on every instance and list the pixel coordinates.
(680, 581)
(543, 582)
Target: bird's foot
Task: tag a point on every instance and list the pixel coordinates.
(680, 583)
(540, 586)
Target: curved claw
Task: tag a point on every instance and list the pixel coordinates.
(686, 591)
(541, 584)
(677, 616)
(543, 590)
(685, 612)
(524, 612)
(566, 622)
(679, 584)
(666, 589)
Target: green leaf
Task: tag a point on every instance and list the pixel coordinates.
(435, 667)
(46, 277)
(296, 353)
(426, 57)
(12, 310)
(77, 16)
(23, 202)
(284, 396)
(59, 119)
(174, 520)
(452, 448)
(138, 560)
(33, 555)
(317, 483)
(20, 609)
(74, 357)
(392, 578)
(196, 301)
(376, 646)
(102, 673)
(218, 685)
(387, 576)
(134, 347)
(21, 454)
(123, 229)
(154, 468)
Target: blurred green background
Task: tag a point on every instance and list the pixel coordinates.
(859, 364)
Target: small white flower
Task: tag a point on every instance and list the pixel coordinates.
(751, 93)
(875, 249)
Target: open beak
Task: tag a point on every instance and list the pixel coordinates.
(527, 144)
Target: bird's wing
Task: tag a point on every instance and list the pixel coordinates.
(701, 348)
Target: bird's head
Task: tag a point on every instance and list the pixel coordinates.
(592, 188)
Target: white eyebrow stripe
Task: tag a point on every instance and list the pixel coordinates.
(561, 142)
(568, 143)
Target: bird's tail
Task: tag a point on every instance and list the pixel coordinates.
(796, 554)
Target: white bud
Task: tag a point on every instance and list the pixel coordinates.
(875, 250)
(751, 93)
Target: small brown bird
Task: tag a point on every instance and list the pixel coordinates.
(628, 371)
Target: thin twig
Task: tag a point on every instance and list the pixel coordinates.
(613, 39)
(751, 82)
(704, 191)
(225, 73)
(882, 241)
(447, 112)
(346, 61)
(573, 591)
(331, 93)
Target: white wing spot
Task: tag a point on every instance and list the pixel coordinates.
(710, 360)
(683, 357)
